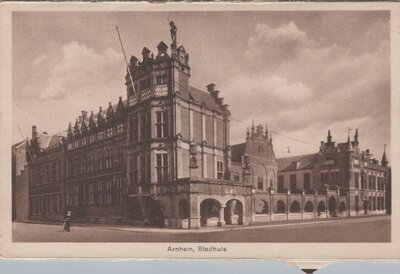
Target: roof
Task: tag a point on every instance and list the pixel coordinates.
(304, 162)
(51, 140)
(238, 149)
(201, 97)
(20, 144)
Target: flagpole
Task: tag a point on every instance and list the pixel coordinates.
(126, 60)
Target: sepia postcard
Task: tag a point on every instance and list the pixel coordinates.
(246, 131)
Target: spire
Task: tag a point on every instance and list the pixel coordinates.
(384, 161)
(349, 145)
(329, 138)
(270, 138)
(266, 130)
(252, 127)
(248, 132)
(70, 128)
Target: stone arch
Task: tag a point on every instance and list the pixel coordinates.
(295, 207)
(209, 211)
(280, 207)
(184, 209)
(332, 206)
(234, 212)
(262, 207)
(342, 207)
(321, 207)
(309, 207)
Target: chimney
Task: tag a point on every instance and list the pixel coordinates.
(34, 132)
(210, 87)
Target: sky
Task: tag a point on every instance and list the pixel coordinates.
(300, 72)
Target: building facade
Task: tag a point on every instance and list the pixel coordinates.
(163, 158)
(343, 167)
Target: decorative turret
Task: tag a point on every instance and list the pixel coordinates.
(133, 61)
(70, 130)
(253, 129)
(146, 54)
(349, 147)
(162, 50)
(110, 111)
(266, 130)
(248, 133)
(100, 116)
(384, 161)
(356, 137)
(329, 138)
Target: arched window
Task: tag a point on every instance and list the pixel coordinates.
(321, 207)
(342, 207)
(262, 207)
(309, 207)
(280, 207)
(295, 207)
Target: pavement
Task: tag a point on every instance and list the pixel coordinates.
(356, 229)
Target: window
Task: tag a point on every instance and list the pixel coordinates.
(260, 150)
(133, 171)
(281, 184)
(324, 178)
(260, 183)
(220, 170)
(109, 158)
(134, 130)
(145, 176)
(100, 192)
(161, 79)
(357, 180)
(162, 167)
(293, 182)
(118, 190)
(144, 84)
(236, 176)
(109, 190)
(334, 177)
(162, 124)
(145, 129)
(370, 178)
(53, 172)
(91, 194)
(307, 181)
(100, 160)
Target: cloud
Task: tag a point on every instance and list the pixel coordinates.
(302, 87)
(82, 70)
(40, 60)
(286, 41)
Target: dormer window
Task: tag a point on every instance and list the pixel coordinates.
(144, 84)
(161, 79)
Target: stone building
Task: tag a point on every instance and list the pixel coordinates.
(163, 158)
(95, 179)
(19, 184)
(46, 174)
(359, 179)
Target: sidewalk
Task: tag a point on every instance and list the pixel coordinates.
(273, 224)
